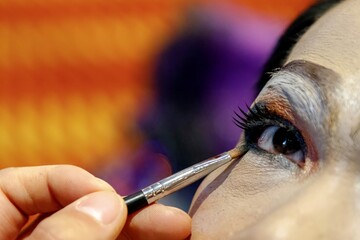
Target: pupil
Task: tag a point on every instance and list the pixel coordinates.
(285, 141)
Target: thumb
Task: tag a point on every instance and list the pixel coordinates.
(99, 215)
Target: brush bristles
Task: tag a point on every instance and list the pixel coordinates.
(235, 153)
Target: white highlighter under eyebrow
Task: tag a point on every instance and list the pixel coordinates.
(177, 181)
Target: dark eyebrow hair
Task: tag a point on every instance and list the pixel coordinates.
(290, 37)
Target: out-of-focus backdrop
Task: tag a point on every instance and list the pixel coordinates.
(130, 90)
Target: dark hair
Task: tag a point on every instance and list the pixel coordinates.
(291, 36)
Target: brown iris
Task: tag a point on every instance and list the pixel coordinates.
(285, 142)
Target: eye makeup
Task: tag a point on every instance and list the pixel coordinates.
(266, 131)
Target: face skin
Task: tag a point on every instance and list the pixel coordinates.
(267, 195)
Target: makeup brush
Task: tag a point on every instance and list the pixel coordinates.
(177, 181)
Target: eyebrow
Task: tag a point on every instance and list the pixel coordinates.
(302, 88)
(318, 74)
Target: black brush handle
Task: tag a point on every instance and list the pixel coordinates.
(135, 201)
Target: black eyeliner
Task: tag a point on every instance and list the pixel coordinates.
(257, 119)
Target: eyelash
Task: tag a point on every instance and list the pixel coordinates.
(257, 119)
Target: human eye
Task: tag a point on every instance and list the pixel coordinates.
(268, 132)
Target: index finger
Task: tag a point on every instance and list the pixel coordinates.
(29, 190)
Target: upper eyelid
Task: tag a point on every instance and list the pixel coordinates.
(303, 96)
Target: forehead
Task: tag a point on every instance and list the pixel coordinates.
(333, 40)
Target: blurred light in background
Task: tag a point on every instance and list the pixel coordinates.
(126, 88)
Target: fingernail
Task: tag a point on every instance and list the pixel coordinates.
(102, 206)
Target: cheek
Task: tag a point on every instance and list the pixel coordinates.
(234, 197)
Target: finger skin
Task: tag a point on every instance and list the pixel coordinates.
(29, 190)
(157, 222)
(80, 220)
(57, 194)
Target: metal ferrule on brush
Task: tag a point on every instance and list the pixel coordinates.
(177, 181)
(183, 178)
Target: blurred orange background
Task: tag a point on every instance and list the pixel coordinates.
(76, 75)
